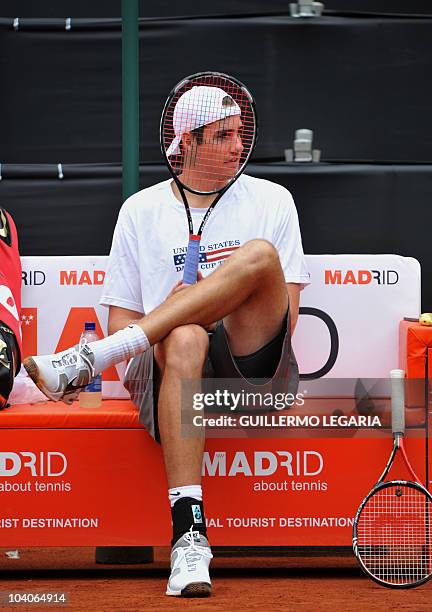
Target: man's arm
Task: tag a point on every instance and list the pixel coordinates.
(294, 300)
(119, 318)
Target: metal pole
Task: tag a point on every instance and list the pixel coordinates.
(130, 125)
(130, 96)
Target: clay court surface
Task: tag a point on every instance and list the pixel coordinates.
(268, 584)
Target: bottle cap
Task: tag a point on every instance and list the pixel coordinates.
(89, 326)
(397, 373)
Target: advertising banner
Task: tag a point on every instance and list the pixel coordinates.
(107, 487)
(351, 311)
(348, 324)
(59, 295)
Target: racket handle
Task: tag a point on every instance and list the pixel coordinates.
(192, 260)
(397, 380)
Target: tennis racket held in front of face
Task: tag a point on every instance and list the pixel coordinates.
(392, 527)
(207, 133)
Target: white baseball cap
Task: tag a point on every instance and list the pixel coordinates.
(199, 106)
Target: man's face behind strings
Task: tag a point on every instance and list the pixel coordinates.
(212, 157)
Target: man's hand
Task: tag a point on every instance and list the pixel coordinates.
(179, 286)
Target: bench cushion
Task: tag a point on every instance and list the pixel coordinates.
(112, 414)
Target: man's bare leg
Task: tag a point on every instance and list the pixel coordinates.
(253, 322)
(180, 356)
(250, 282)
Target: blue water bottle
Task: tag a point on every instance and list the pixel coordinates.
(91, 396)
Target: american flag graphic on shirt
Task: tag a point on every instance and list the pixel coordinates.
(207, 256)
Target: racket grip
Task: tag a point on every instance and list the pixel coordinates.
(192, 260)
(397, 380)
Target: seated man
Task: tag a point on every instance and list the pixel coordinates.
(153, 317)
(10, 306)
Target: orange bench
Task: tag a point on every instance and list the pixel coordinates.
(94, 477)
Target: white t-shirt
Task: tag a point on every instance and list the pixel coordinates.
(151, 236)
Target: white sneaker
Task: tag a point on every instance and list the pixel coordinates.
(190, 560)
(61, 376)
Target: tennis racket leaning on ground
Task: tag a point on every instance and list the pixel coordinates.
(392, 527)
(207, 133)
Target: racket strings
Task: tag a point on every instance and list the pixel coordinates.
(208, 132)
(393, 535)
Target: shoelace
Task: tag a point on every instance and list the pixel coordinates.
(194, 552)
(85, 359)
(72, 394)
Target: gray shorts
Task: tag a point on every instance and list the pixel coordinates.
(142, 377)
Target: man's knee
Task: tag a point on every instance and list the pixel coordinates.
(184, 349)
(262, 255)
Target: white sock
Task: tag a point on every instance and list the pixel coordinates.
(122, 345)
(194, 491)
